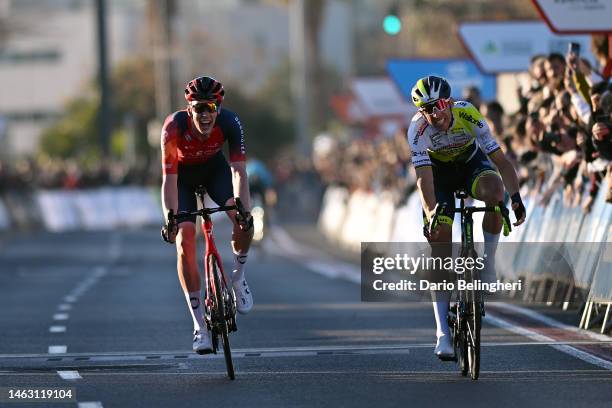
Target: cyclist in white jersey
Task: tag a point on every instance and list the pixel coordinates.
(451, 146)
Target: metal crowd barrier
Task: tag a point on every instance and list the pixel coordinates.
(96, 209)
(571, 265)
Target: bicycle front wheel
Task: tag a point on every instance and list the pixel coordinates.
(460, 338)
(220, 315)
(474, 323)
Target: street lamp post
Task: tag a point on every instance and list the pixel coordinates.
(104, 114)
(299, 87)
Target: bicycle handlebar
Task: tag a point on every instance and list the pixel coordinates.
(505, 213)
(208, 211)
(440, 208)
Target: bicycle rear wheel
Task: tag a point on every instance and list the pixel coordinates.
(220, 315)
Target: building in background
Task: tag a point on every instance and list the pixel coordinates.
(245, 42)
(49, 56)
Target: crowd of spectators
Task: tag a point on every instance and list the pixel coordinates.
(559, 138)
(379, 165)
(30, 174)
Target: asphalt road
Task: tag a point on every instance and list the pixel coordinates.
(103, 313)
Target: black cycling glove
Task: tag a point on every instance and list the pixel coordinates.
(520, 211)
(246, 223)
(171, 226)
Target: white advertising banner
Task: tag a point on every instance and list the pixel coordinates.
(507, 46)
(380, 97)
(576, 16)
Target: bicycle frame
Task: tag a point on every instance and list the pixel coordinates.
(210, 250)
(467, 250)
(220, 302)
(470, 307)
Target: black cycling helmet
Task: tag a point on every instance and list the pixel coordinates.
(203, 89)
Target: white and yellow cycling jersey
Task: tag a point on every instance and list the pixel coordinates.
(467, 131)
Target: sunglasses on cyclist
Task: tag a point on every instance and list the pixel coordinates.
(437, 106)
(209, 107)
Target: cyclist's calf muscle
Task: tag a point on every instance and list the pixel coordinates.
(186, 257)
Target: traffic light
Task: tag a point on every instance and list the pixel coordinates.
(392, 23)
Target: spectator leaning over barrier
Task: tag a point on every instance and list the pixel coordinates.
(538, 80)
(602, 139)
(555, 68)
(590, 118)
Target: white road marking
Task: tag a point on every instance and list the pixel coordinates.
(287, 351)
(61, 316)
(324, 265)
(64, 307)
(70, 375)
(70, 299)
(90, 404)
(548, 321)
(574, 352)
(334, 270)
(58, 349)
(57, 329)
(570, 374)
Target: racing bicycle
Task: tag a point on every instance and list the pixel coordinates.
(465, 317)
(220, 299)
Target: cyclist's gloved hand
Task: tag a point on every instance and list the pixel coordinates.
(519, 208)
(432, 230)
(246, 222)
(169, 231)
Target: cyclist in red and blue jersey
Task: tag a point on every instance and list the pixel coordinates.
(191, 143)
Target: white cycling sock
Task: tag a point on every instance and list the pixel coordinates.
(197, 311)
(239, 266)
(490, 245)
(491, 241)
(440, 305)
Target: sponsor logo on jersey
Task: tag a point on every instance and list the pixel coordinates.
(471, 119)
(461, 103)
(420, 132)
(242, 147)
(436, 139)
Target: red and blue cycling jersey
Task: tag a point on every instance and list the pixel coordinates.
(180, 145)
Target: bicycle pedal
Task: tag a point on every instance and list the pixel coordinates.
(448, 358)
